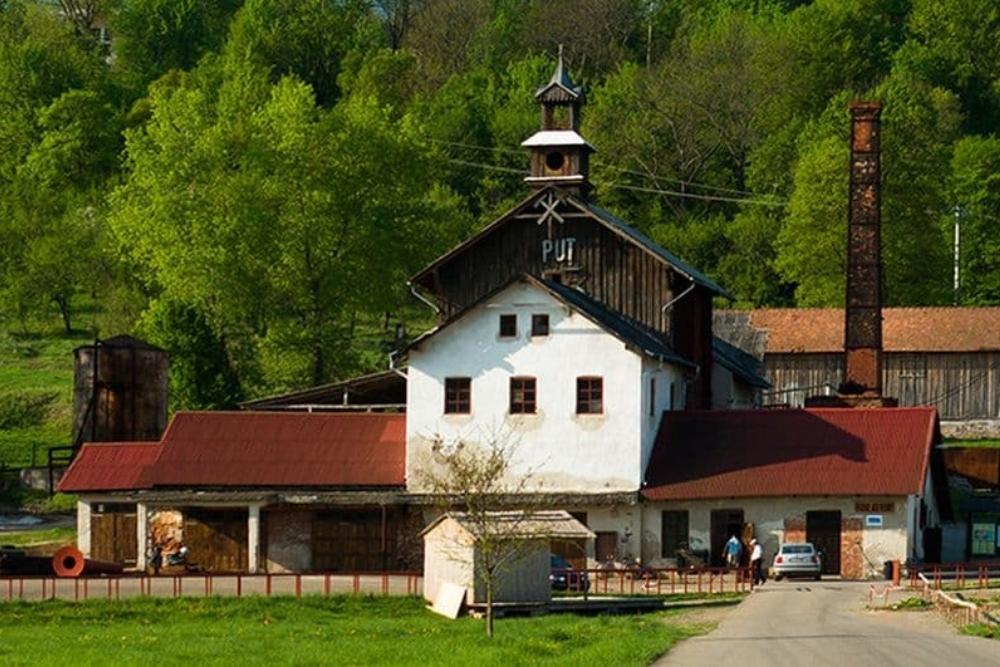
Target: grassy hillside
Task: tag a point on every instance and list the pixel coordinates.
(36, 390)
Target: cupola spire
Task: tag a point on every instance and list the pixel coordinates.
(559, 155)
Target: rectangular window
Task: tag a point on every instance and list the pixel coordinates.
(539, 325)
(673, 532)
(457, 396)
(589, 395)
(522, 396)
(508, 326)
(652, 397)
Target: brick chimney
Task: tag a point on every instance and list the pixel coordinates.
(862, 381)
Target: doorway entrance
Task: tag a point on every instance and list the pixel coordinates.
(823, 530)
(725, 524)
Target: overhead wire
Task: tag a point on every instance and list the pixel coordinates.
(623, 186)
(645, 174)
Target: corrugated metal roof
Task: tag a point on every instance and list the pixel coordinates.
(261, 449)
(518, 524)
(108, 466)
(741, 364)
(755, 453)
(821, 330)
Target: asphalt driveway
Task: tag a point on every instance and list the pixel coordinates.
(825, 623)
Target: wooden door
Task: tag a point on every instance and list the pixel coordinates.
(724, 524)
(823, 530)
(113, 534)
(217, 539)
(606, 546)
(353, 540)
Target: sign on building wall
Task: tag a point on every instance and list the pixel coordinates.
(984, 539)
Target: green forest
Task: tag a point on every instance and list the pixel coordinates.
(249, 183)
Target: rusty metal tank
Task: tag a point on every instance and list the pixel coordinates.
(119, 391)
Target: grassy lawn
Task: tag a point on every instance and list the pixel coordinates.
(31, 538)
(339, 630)
(35, 364)
(986, 444)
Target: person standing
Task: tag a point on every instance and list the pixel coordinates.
(756, 562)
(733, 551)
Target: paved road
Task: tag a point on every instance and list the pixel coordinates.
(825, 623)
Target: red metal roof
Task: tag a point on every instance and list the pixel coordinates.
(754, 453)
(108, 466)
(804, 330)
(252, 449)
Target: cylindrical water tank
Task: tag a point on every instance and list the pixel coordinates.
(120, 391)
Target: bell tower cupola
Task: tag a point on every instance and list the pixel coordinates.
(559, 155)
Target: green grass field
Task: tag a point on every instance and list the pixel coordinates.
(34, 364)
(339, 630)
(33, 538)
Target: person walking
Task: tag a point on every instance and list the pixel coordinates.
(733, 551)
(756, 562)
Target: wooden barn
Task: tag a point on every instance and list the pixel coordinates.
(945, 357)
(253, 492)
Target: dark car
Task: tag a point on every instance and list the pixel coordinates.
(564, 577)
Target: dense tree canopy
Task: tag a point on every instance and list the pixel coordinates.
(250, 182)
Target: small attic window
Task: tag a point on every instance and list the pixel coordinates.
(540, 325)
(508, 326)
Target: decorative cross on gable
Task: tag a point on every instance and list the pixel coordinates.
(550, 202)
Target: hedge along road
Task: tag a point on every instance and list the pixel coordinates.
(825, 623)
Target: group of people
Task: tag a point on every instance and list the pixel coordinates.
(734, 557)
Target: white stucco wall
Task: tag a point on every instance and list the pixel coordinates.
(560, 450)
(888, 542)
(664, 375)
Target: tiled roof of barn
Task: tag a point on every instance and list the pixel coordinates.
(941, 329)
(757, 453)
(281, 449)
(108, 466)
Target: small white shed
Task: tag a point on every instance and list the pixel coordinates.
(453, 552)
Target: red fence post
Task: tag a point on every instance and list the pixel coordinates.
(326, 584)
(267, 584)
(239, 585)
(298, 585)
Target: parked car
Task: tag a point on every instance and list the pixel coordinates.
(564, 577)
(797, 560)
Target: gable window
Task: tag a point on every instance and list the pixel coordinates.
(457, 396)
(540, 325)
(508, 326)
(523, 396)
(589, 395)
(673, 532)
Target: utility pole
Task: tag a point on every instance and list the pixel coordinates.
(957, 279)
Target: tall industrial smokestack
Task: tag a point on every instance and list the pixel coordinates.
(862, 381)
(863, 321)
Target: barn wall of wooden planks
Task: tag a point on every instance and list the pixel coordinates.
(961, 385)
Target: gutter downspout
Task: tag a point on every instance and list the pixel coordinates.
(392, 364)
(422, 298)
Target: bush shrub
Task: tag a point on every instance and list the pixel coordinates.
(24, 409)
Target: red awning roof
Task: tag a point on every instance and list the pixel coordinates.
(821, 330)
(111, 466)
(756, 453)
(253, 449)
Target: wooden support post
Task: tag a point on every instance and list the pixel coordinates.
(253, 538)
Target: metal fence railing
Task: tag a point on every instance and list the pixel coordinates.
(654, 581)
(125, 586)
